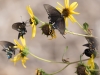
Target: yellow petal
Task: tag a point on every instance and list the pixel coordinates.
(18, 45)
(16, 58)
(91, 62)
(30, 11)
(72, 18)
(54, 34)
(60, 5)
(73, 12)
(66, 22)
(67, 3)
(33, 30)
(73, 5)
(23, 41)
(59, 9)
(24, 61)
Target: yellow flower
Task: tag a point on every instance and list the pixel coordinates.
(91, 62)
(67, 11)
(22, 53)
(33, 21)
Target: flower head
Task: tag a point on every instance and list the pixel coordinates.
(48, 30)
(22, 53)
(67, 11)
(81, 69)
(41, 72)
(33, 21)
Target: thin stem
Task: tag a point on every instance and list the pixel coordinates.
(43, 59)
(54, 61)
(82, 27)
(78, 34)
(39, 20)
(60, 70)
(67, 66)
(81, 57)
(64, 52)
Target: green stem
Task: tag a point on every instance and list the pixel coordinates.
(60, 70)
(78, 34)
(67, 66)
(82, 27)
(81, 57)
(39, 20)
(64, 52)
(43, 59)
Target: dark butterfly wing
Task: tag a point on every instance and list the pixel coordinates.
(18, 25)
(60, 25)
(53, 13)
(92, 42)
(6, 44)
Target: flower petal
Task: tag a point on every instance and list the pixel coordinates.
(66, 22)
(24, 61)
(30, 11)
(59, 9)
(67, 3)
(73, 12)
(33, 30)
(91, 62)
(18, 45)
(72, 18)
(73, 5)
(16, 58)
(60, 5)
(23, 41)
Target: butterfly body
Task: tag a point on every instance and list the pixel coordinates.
(92, 46)
(20, 27)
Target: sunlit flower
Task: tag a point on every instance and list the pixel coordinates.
(48, 30)
(33, 21)
(91, 62)
(68, 11)
(22, 53)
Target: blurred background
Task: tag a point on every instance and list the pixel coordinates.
(11, 11)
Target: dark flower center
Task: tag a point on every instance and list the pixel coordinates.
(65, 12)
(81, 70)
(46, 29)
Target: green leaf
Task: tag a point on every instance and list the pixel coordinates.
(85, 26)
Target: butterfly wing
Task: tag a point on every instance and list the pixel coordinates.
(53, 13)
(60, 25)
(18, 25)
(92, 42)
(6, 44)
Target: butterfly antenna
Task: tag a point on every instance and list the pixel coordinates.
(27, 22)
(21, 18)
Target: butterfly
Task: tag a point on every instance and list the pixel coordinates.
(8, 47)
(92, 46)
(20, 27)
(55, 18)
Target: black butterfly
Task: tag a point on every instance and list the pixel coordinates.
(92, 46)
(56, 19)
(20, 27)
(8, 47)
